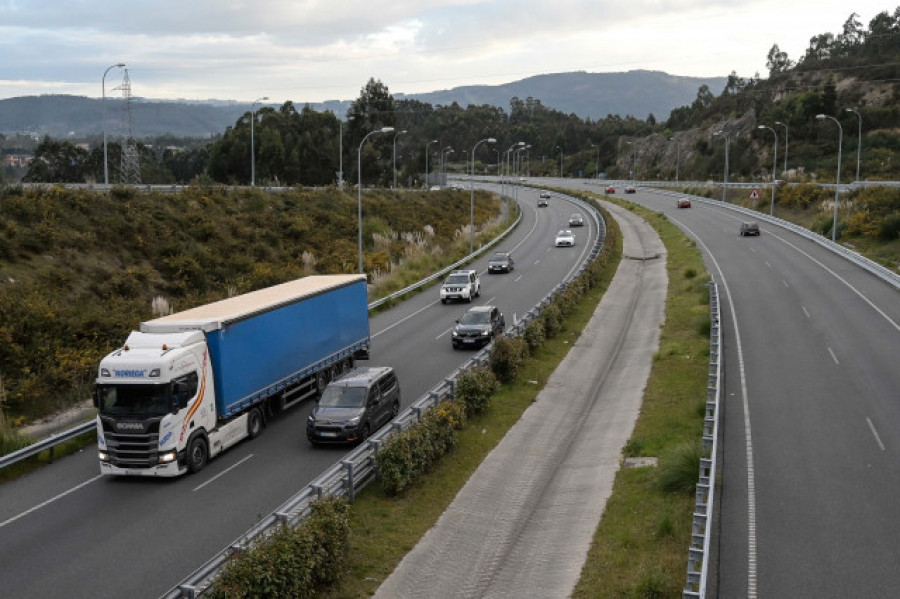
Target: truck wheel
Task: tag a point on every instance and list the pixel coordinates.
(254, 423)
(198, 454)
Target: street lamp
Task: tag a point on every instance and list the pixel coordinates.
(837, 181)
(103, 85)
(774, 162)
(560, 161)
(427, 184)
(859, 143)
(341, 151)
(598, 159)
(633, 145)
(396, 135)
(784, 173)
(359, 187)
(489, 140)
(727, 143)
(252, 143)
(447, 150)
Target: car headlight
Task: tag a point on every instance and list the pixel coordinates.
(455, 334)
(353, 422)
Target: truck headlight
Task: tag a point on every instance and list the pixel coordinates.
(104, 457)
(168, 456)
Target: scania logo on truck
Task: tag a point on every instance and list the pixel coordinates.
(132, 374)
(129, 426)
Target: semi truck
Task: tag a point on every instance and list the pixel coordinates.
(187, 386)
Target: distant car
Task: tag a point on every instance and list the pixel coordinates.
(749, 229)
(501, 262)
(522, 179)
(478, 327)
(565, 238)
(354, 405)
(435, 188)
(630, 189)
(610, 189)
(683, 203)
(576, 220)
(542, 203)
(545, 194)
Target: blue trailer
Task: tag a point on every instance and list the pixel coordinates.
(191, 384)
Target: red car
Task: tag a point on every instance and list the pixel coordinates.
(684, 203)
(610, 189)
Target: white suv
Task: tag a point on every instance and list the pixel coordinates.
(461, 285)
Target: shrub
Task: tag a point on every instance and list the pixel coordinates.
(552, 319)
(890, 228)
(475, 387)
(679, 470)
(507, 356)
(534, 335)
(411, 453)
(293, 562)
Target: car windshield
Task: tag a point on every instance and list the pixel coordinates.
(143, 399)
(498, 258)
(343, 397)
(564, 234)
(475, 318)
(457, 280)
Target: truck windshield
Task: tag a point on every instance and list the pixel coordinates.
(148, 400)
(343, 397)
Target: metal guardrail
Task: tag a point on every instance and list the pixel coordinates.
(357, 468)
(698, 552)
(48, 443)
(54, 440)
(883, 273)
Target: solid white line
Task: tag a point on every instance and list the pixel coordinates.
(49, 501)
(805, 311)
(875, 434)
(751, 476)
(223, 472)
(833, 357)
(767, 263)
(785, 283)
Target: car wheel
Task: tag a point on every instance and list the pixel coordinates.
(254, 423)
(198, 454)
(443, 301)
(365, 433)
(395, 409)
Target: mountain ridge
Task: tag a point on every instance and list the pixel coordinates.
(588, 95)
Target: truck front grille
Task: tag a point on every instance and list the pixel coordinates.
(132, 450)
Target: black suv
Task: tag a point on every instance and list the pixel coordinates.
(354, 405)
(478, 327)
(749, 229)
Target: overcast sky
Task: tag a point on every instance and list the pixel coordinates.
(316, 50)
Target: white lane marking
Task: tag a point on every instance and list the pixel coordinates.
(402, 320)
(785, 283)
(751, 476)
(536, 262)
(833, 357)
(767, 264)
(517, 279)
(841, 279)
(51, 500)
(875, 434)
(444, 333)
(805, 311)
(223, 472)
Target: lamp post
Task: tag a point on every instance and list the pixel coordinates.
(859, 142)
(837, 181)
(359, 188)
(784, 172)
(341, 151)
(633, 145)
(774, 162)
(560, 161)
(396, 135)
(489, 140)
(598, 160)
(252, 143)
(725, 180)
(447, 150)
(427, 184)
(103, 85)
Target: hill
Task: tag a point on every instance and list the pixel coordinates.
(587, 95)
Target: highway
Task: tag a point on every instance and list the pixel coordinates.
(65, 531)
(811, 429)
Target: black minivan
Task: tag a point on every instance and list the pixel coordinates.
(354, 405)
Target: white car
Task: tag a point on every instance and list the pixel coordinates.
(565, 238)
(463, 285)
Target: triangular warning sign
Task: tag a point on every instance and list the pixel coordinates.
(754, 195)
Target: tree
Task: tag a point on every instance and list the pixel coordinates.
(853, 34)
(776, 61)
(57, 162)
